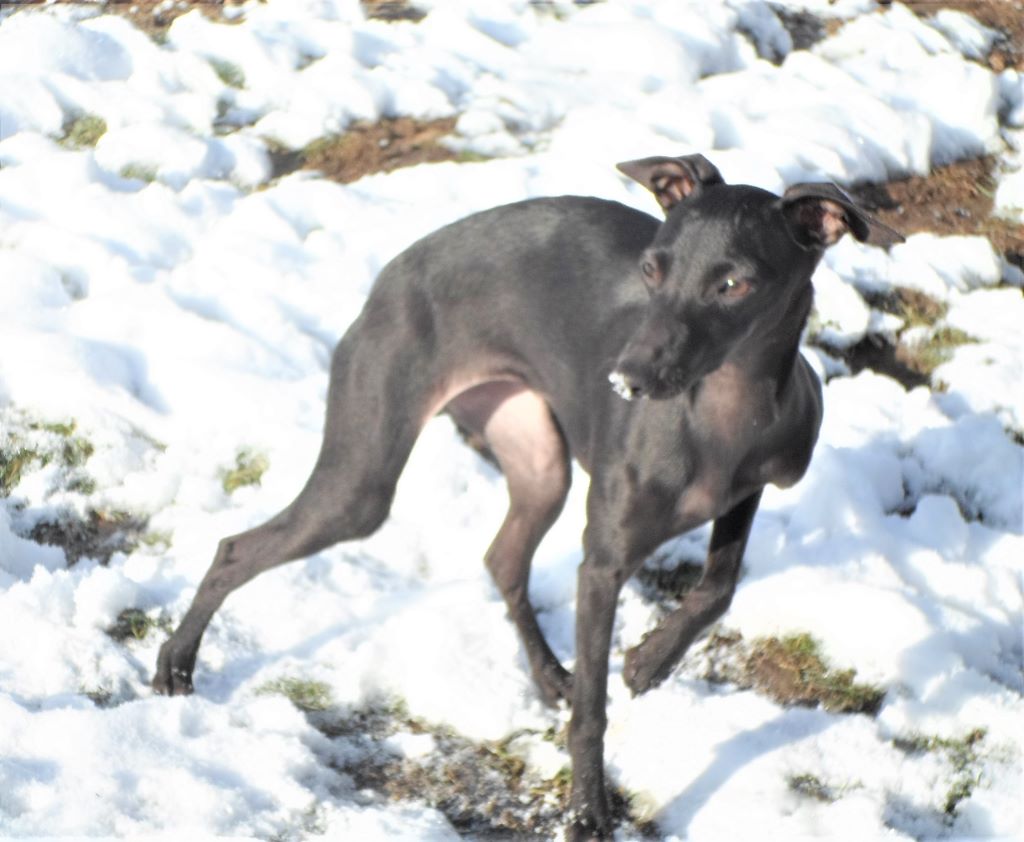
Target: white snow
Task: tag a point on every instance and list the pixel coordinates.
(179, 305)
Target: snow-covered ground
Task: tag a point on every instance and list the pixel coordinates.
(166, 297)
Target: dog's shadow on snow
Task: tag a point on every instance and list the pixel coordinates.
(735, 753)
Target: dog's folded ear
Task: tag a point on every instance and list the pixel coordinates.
(672, 179)
(819, 214)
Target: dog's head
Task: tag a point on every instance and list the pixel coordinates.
(730, 263)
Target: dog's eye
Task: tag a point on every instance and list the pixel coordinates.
(652, 274)
(733, 289)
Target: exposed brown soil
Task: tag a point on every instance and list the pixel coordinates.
(483, 788)
(392, 10)
(154, 17)
(954, 199)
(1005, 16)
(367, 148)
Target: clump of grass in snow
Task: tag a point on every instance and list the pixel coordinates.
(158, 540)
(249, 469)
(307, 695)
(102, 697)
(793, 671)
(85, 131)
(924, 343)
(29, 445)
(963, 755)
(916, 308)
(228, 72)
(927, 353)
(811, 786)
(14, 461)
(139, 172)
(468, 156)
(136, 624)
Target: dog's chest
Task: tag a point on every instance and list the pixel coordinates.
(700, 502)
(725, 464)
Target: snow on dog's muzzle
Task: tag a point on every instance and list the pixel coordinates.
(645, 361)
(621, 386)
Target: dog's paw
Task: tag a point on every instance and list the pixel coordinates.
(588, 827)
(554, 685)
(643, 668)
(578, 832)
(171, 679)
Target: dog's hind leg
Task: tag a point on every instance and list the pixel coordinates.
(524, 438)
(374, 414)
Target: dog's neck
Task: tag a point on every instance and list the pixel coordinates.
(788, 341)
(769, 353)
(761, 369)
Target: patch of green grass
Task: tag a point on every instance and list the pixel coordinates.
(32, 444)
(136, 624)
(916, 308)
(792, 670)
(468, 156)
(248, 470)
(158, 540)
(307, 695)
(81, 484)
(13, 464)
(102, 697)
(322, 146)
(228, 72)
(76, 450)
(964, 757)
(922, 351)
(59, 428)
(936, 349)
(811, 786)
(85, 132)
(29, 445)
(139, 172)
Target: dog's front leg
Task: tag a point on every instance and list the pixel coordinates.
(596, 597)
(652, 660)
(624, 525)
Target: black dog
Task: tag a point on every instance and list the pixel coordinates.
(513, 321)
